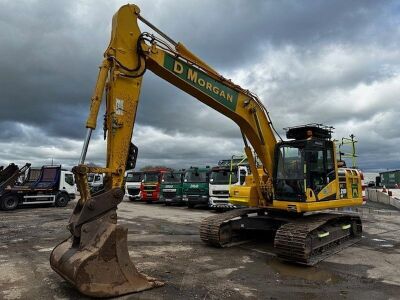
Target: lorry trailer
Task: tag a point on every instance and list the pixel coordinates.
(53, 186)
(10, 175)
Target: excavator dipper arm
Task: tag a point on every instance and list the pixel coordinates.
(95, 258)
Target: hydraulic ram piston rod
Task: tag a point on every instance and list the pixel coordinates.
(85, 146)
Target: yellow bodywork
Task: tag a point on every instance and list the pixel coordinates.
(129, 55)
(344, 191)
(121, 75)
(95, 258)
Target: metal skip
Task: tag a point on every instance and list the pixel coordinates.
(95, 259)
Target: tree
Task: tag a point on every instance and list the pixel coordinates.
(150, 167)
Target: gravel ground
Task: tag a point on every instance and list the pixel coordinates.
(164, 243)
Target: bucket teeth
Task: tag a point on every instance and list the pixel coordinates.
(98, 263)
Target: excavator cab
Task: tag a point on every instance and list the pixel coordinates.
(306, 175)
(305, 165)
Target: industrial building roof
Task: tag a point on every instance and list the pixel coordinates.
(390, 171)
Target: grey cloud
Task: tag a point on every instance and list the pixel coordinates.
(229, 34)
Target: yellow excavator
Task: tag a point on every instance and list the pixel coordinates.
(297, 180)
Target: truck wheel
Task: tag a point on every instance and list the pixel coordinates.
(9, 202)
(62, 200)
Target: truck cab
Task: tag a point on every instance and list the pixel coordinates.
(151, 185)
(67, 184)
(95, 182)
(195, 186)
(171, 187)
(221, 178)
(133, 181)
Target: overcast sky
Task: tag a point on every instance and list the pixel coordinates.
(331, 62)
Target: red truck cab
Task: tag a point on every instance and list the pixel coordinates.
(151, 185)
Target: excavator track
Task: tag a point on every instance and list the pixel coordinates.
(304, 240)
(217, 231)
(314, 238)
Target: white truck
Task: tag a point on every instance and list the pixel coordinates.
(133, 180)
(95, 182)
(227, 173)
(47, 185)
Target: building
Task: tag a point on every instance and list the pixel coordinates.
(390, 179)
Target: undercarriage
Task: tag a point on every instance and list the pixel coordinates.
(305, 239)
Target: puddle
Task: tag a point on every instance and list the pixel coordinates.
(16, 240)
(159, 250)
(303, 272)
(379, 240)
(45, 250)
(202, 259)
(223, 272)
(246, 259)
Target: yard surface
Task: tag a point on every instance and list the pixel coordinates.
(164, 243)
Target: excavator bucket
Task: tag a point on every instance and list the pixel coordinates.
(95, 258)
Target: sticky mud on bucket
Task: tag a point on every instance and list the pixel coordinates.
(99, 264)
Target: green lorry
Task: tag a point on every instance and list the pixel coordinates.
(171, 187)
(195, 186)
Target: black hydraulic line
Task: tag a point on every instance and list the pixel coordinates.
(157, 30)
(139, 49)
(258, 101)
(272, 126)
(259, 127)
(134, 76)
(244, 139)
(152, 38)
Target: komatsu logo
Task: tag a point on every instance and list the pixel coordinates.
(219, 92)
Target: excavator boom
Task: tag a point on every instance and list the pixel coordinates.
(95, 258)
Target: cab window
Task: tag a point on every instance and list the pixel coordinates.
(69, 178)
(243, 174)
(290, 173)
(330, 165)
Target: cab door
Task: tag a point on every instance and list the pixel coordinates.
(320, 171)
(68, 182)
